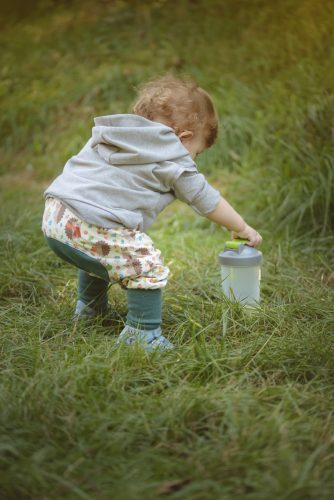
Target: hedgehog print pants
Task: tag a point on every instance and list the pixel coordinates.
(129, 256)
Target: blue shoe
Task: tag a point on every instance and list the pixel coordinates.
(86, 312)
(150, 340)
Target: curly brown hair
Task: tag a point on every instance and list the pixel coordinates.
(180, 104)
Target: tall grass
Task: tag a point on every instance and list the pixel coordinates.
(258, 60)
(243, 408)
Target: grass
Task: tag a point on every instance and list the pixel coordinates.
(243, 408)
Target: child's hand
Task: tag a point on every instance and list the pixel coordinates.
(249, 234)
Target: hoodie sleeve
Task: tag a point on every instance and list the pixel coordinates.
(193, 189)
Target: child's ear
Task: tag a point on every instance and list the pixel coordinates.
(186, 134)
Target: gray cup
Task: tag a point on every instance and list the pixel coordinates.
(241, 272)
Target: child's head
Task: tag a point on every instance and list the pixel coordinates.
(183, 106)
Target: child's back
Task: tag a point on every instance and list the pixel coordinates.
(127, 173)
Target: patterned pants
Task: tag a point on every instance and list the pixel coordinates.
(129, 256)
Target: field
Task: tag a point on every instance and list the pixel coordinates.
(243, 407)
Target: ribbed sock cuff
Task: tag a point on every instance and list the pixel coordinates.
(92, 291)
(145, 308)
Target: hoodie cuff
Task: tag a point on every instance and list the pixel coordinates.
(207, 201)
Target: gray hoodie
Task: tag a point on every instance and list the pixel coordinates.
(128, 172)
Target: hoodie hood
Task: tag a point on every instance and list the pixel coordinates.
(133, 140)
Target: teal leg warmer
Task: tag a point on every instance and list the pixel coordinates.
(144, 308)
(92, 291)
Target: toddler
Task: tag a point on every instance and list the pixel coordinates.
(97, 211)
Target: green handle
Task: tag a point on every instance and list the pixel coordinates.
(234, 244)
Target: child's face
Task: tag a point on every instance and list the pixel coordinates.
(195, 144)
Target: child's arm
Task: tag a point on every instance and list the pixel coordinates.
(193, 188)
(225, 215)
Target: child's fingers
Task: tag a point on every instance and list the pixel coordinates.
(257, 240)
(254, 238)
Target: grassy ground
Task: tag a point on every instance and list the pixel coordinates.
(243, 408)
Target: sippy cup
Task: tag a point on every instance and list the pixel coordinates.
(241, 272)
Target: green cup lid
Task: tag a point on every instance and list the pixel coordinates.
(235, 243)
